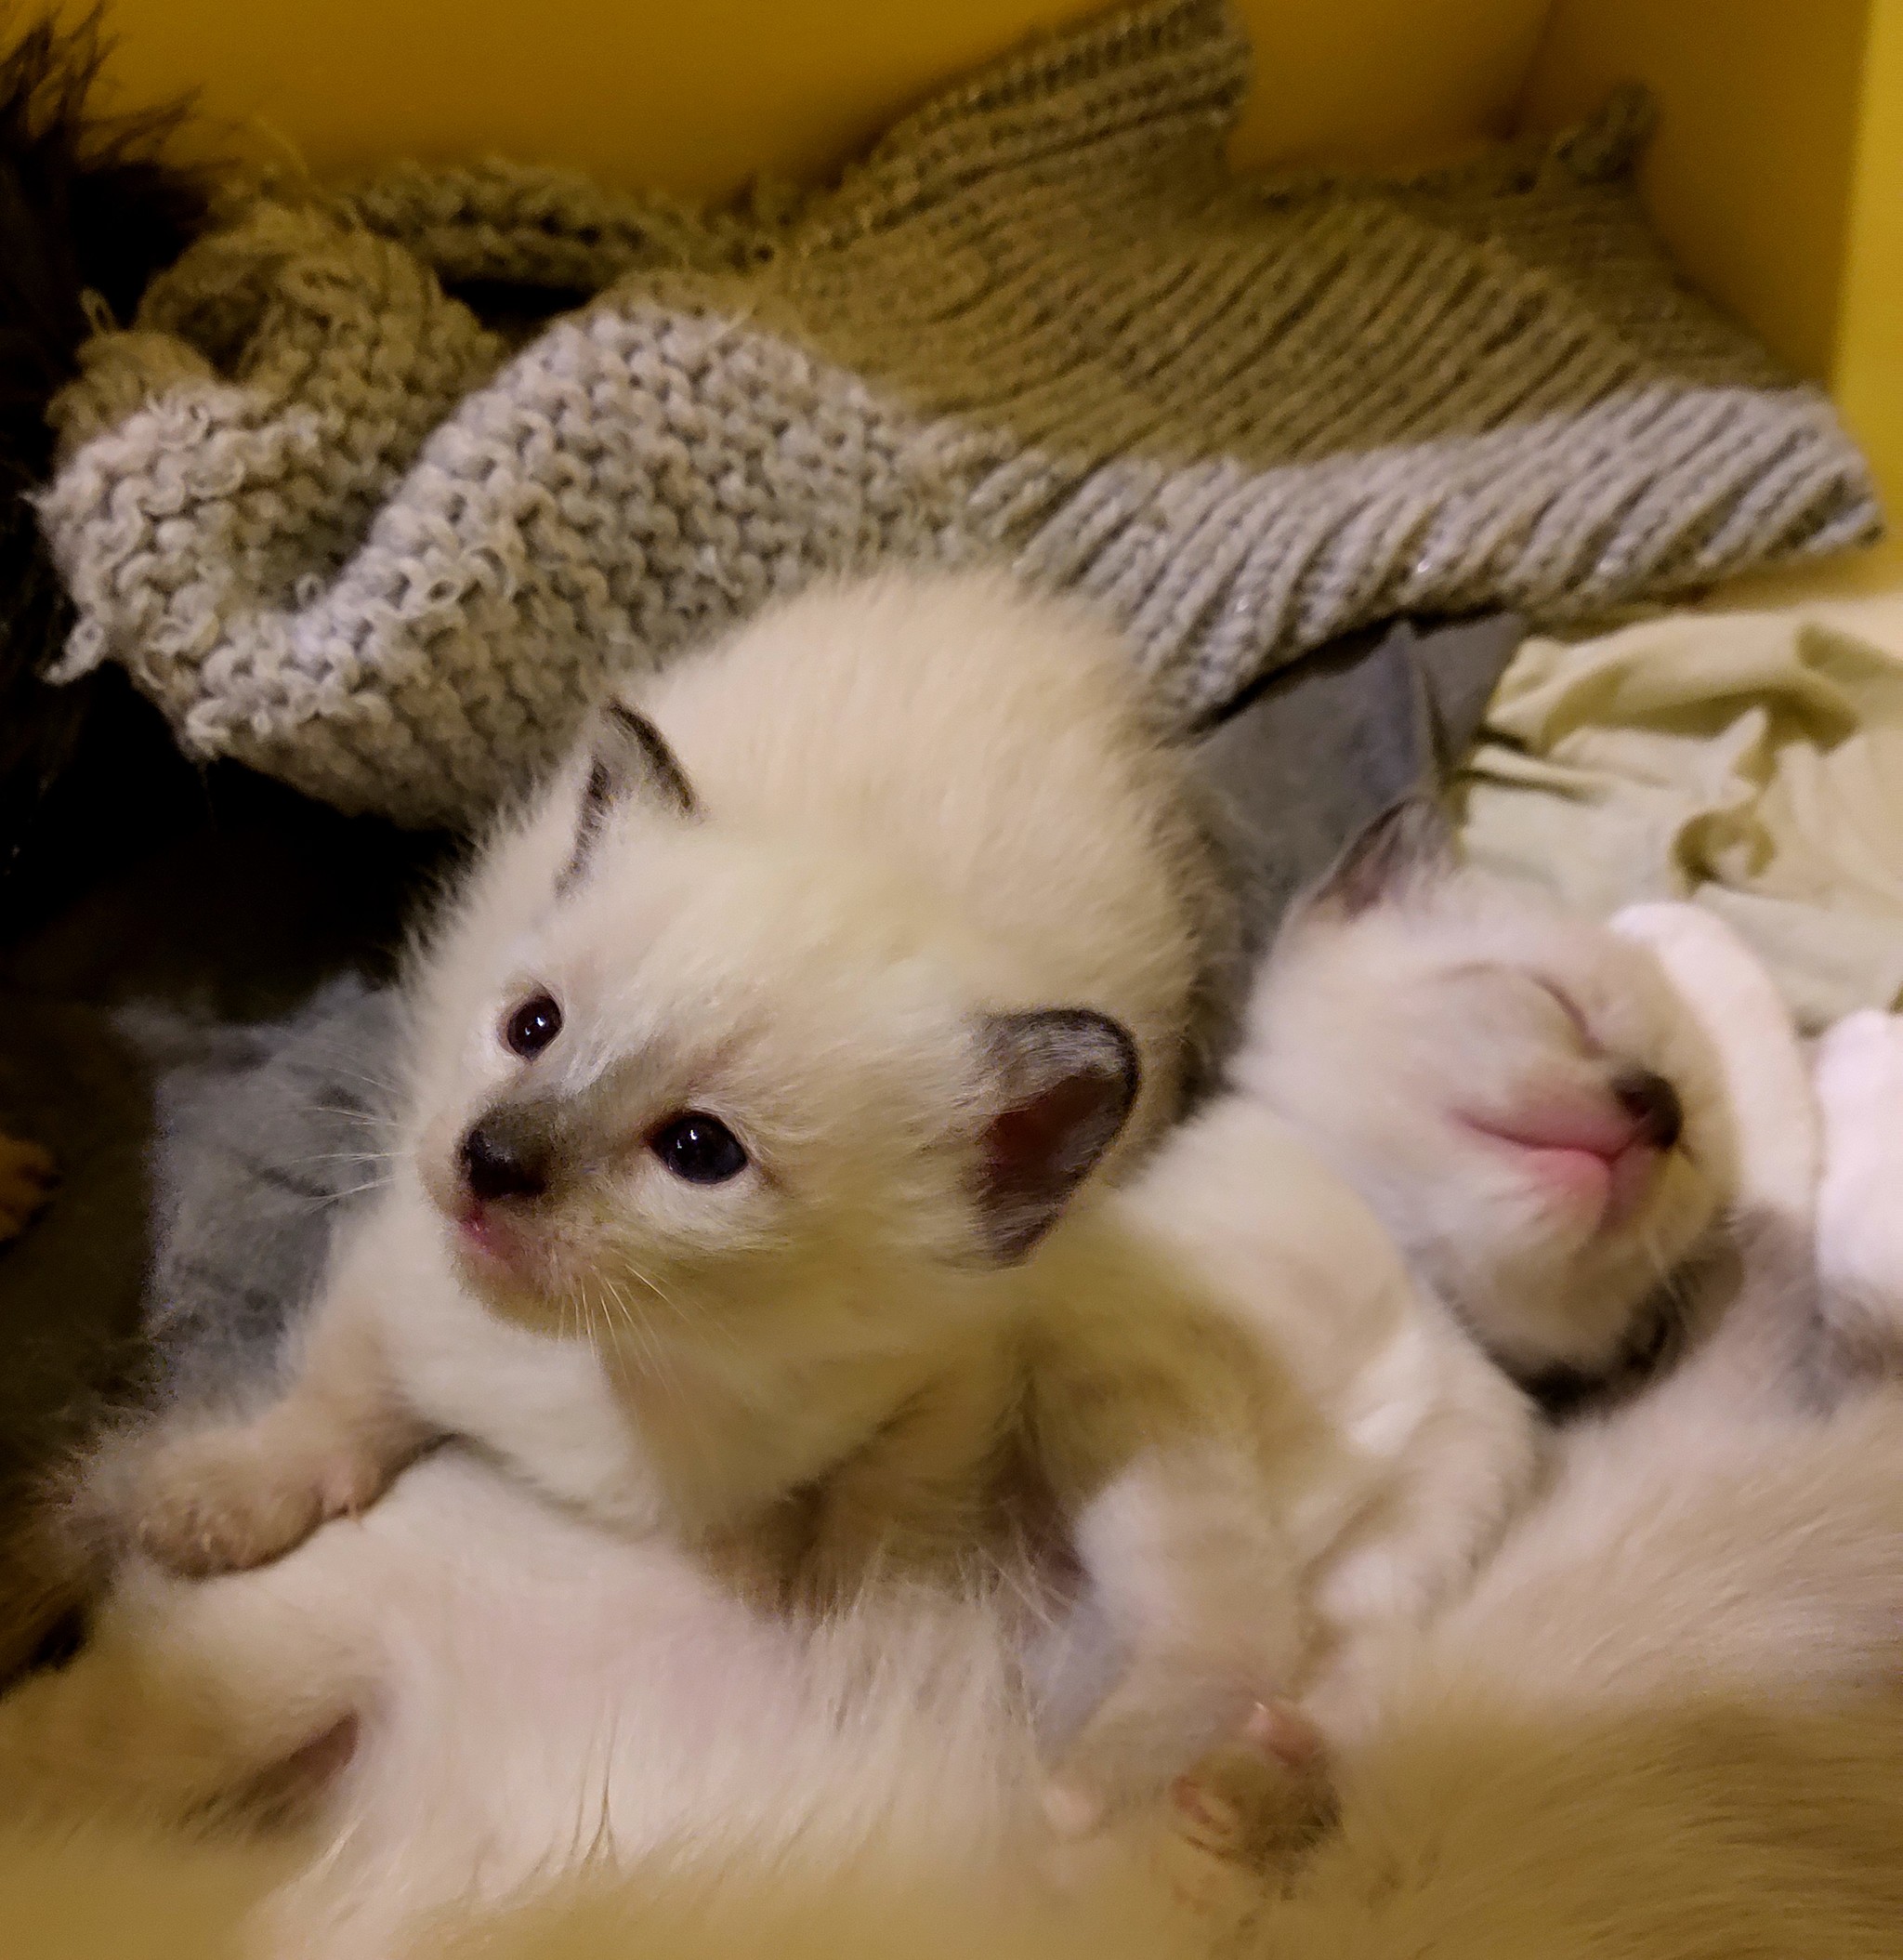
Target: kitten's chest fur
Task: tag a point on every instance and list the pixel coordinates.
(947, 1491)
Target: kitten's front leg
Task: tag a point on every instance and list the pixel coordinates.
(1198, 1594)
(222, 1496)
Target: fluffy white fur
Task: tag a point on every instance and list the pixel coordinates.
(1266, 1447)
(1664, 1724)
(921, 800)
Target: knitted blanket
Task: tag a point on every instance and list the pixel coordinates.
(338, 529)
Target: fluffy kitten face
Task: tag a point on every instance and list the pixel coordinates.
(726, 1086)
(1518, 1094)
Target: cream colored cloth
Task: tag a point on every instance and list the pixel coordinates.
(1752, 760)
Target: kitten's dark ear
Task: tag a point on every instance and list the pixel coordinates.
(630, 757)
(1408, 846)
(1061, 1082)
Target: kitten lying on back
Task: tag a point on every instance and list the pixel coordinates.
(726, 1156)
(1735, 1530)
(1243, 1412)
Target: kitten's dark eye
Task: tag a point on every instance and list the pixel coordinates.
(699, 1148)
(533, 1026)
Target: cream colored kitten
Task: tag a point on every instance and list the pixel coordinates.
(1721, 1533)
(919, 805)
(747, 1067)
(713, 1220)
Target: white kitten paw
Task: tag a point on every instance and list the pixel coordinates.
(1728, 992)
(226, 1499)
(1859, 1087)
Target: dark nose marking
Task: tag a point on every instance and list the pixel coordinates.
(496, 1165)
(1653, 1104)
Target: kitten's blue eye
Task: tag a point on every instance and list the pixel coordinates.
(533, 1026)
(699, 1148)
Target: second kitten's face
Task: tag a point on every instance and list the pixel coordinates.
(1518, 1094)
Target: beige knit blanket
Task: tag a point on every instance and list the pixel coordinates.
(337, 528)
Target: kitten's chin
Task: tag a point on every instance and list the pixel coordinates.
(490, 1246)
(505, 1261)
(1579, 1180)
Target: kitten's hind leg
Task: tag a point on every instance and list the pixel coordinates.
(1198, 1594)
(187, 1697)
(1859, 1084)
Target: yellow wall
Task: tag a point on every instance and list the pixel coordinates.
(1777, 176)
(1867, 374)
(697, 94)
(1376, 80)
(1749, 178)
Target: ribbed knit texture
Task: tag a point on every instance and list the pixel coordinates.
(336, 528)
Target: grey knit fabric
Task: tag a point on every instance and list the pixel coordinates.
(337, 529)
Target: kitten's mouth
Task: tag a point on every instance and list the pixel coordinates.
(493, 1246)
(1597, 1159)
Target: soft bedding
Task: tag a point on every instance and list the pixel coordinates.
(1750, 759)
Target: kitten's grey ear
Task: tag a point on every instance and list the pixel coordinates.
(1408, 844)
(630, 757)
(1062, 1081)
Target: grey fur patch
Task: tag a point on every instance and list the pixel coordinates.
(266, 1151)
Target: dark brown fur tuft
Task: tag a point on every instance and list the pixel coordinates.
(88, 206)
